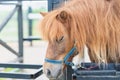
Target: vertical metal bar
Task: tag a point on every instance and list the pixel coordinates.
(20, 29)
(57, 3)
(69, 72)
(50, 5)
(30, 25)
(30, 22)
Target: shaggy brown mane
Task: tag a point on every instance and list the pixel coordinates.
(94, 23)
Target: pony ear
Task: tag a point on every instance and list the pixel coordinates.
(43, 13)
(63, 16)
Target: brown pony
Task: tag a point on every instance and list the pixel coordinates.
(79, 23)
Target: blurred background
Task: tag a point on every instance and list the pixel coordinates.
(33, 48)
(20, 40)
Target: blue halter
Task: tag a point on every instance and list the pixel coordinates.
(65, 60)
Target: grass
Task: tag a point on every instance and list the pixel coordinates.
(10, 70)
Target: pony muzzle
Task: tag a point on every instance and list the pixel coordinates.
(54, 67)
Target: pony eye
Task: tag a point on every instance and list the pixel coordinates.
(59, 40)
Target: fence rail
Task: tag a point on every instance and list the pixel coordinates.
(94, 71)
(21, 75)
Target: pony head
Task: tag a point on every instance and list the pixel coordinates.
(56, 28)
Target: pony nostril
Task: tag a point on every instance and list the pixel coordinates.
(48, 72)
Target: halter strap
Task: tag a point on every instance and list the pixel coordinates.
(53, 61)
(65, 60)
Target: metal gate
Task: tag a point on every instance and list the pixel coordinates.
(94, 71)
(19, 54)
